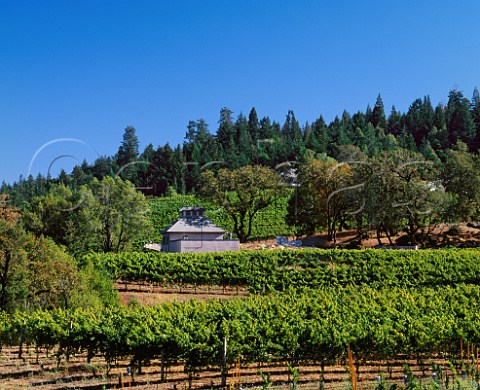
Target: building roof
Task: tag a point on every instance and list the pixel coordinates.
(192, 208)
(193, 225)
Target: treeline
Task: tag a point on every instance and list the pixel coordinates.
(431, 131)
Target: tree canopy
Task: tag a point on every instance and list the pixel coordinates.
(242, 192)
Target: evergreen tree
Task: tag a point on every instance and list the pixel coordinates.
(128, 150)
(318, 138)
(460, 123)
(438, 139)
(293, 145)
(428, 152)
(440, 121)
(475, 109)
(180, 171)
(420, 119)
(368, 114)
(104, 166)
(338, 136)
(378, 114)
(245, 147)
(226, 132)
(394, 123)
(253, 125)
(406, 141)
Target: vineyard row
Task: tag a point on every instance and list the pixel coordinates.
(280, 270)
(315, 325)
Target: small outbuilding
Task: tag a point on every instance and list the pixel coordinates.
(193, 232)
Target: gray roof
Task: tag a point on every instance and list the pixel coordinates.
(193, 225)
(192, 208)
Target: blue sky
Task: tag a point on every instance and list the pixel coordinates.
(74, 74)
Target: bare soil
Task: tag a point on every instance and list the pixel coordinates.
(50, 374)
(455, 235)
(151, 294)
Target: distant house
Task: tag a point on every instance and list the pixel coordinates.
(193, 232)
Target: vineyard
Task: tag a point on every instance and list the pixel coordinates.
(313, 318)
(281, 270)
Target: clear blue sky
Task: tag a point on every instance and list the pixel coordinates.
(86, 69)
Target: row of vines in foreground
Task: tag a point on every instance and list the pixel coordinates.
(280, 270)
(315, 325)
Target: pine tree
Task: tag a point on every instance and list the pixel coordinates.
(179, 169)
(318, 139)
(394, 123)
(253, 125)
(128, 150)
(414, 121)
(246, 150)
(293, 145)
(440, 121)
(475, 109)
(460, 123)
(226, 132)
(378, 114)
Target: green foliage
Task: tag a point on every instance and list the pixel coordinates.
(282, 270)
(319, 201)
(242, 193)
(121, 212)
(315, 325)
(267, 382)
(13, 260)
(95, 287)
(268, 223)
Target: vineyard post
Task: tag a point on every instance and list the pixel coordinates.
(20, 343)
(224, 363)
(352, 369)
(322, 374)
(120, 379)
(162, 366)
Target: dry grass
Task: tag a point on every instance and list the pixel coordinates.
(150, 294)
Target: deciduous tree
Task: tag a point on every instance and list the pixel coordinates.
(242, 192)
(321, 200)
(12, 255)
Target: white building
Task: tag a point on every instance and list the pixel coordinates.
(193, 232)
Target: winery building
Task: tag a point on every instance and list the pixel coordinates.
(193, 232)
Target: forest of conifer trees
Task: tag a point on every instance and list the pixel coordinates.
(431, 131)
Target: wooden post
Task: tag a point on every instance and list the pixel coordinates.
(20, 342)
(162, 367)
(353, 371)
